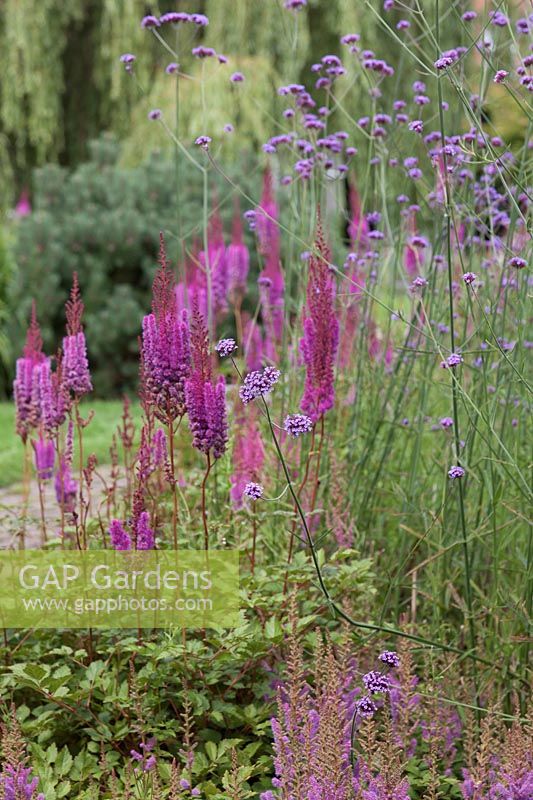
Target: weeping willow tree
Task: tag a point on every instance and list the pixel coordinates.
(62, 82)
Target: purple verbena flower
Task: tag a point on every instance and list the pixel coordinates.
(456, 472)
(295, 5)
(366, 707)
(253, 490)
(203, 142)
(225, 347)
(376, 682)
(297, 424)
(390, 657)
(258, 383)
(446, 422)
(452, 361)
(150, 22)
(469, 278)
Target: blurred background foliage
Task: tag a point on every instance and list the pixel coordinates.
(97, 206)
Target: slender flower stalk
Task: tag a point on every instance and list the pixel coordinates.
(455, 386)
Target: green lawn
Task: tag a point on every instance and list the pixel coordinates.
(97, 436)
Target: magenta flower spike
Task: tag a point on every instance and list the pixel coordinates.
(321, 334)
(206, 401)
(53, 395)
(26, 383)
(218, 266)
(120, 538)
(165, 349)
(358, 229)
(238, 260)
(44, 458)
(253, 344)
(75, 365)
(66, 488)
(248, 454)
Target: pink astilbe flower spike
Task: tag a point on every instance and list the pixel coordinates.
(268, 233)
(76, 375)
(192, 291)
(54, 398)
(137, 533)
(350, 311)
(65, 486)
(321, 334)
(120, 538)
(17, 782)
(237, 259)
(216, 252)
(358, 225)
(253, 344)
(248, 453)
(165, 350)
(44, 458)
(206, 401)
(26, 383)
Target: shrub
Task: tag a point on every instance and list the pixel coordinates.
(103, 221)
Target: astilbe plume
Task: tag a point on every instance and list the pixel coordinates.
(358, 225)
(350, 314)
(271, 277)
(26, 383)
(321, 334)
(253, 344)
(136, 535)
(54, 398)
(312, 731)
(65, 486)
(501, 766)
(76, 376)
(248, 453)
(216, 261)
(165, 349)
(206, 400)
(16, 781)
(192, 290)
(338, 511)
(44, 458)
(237, 260)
